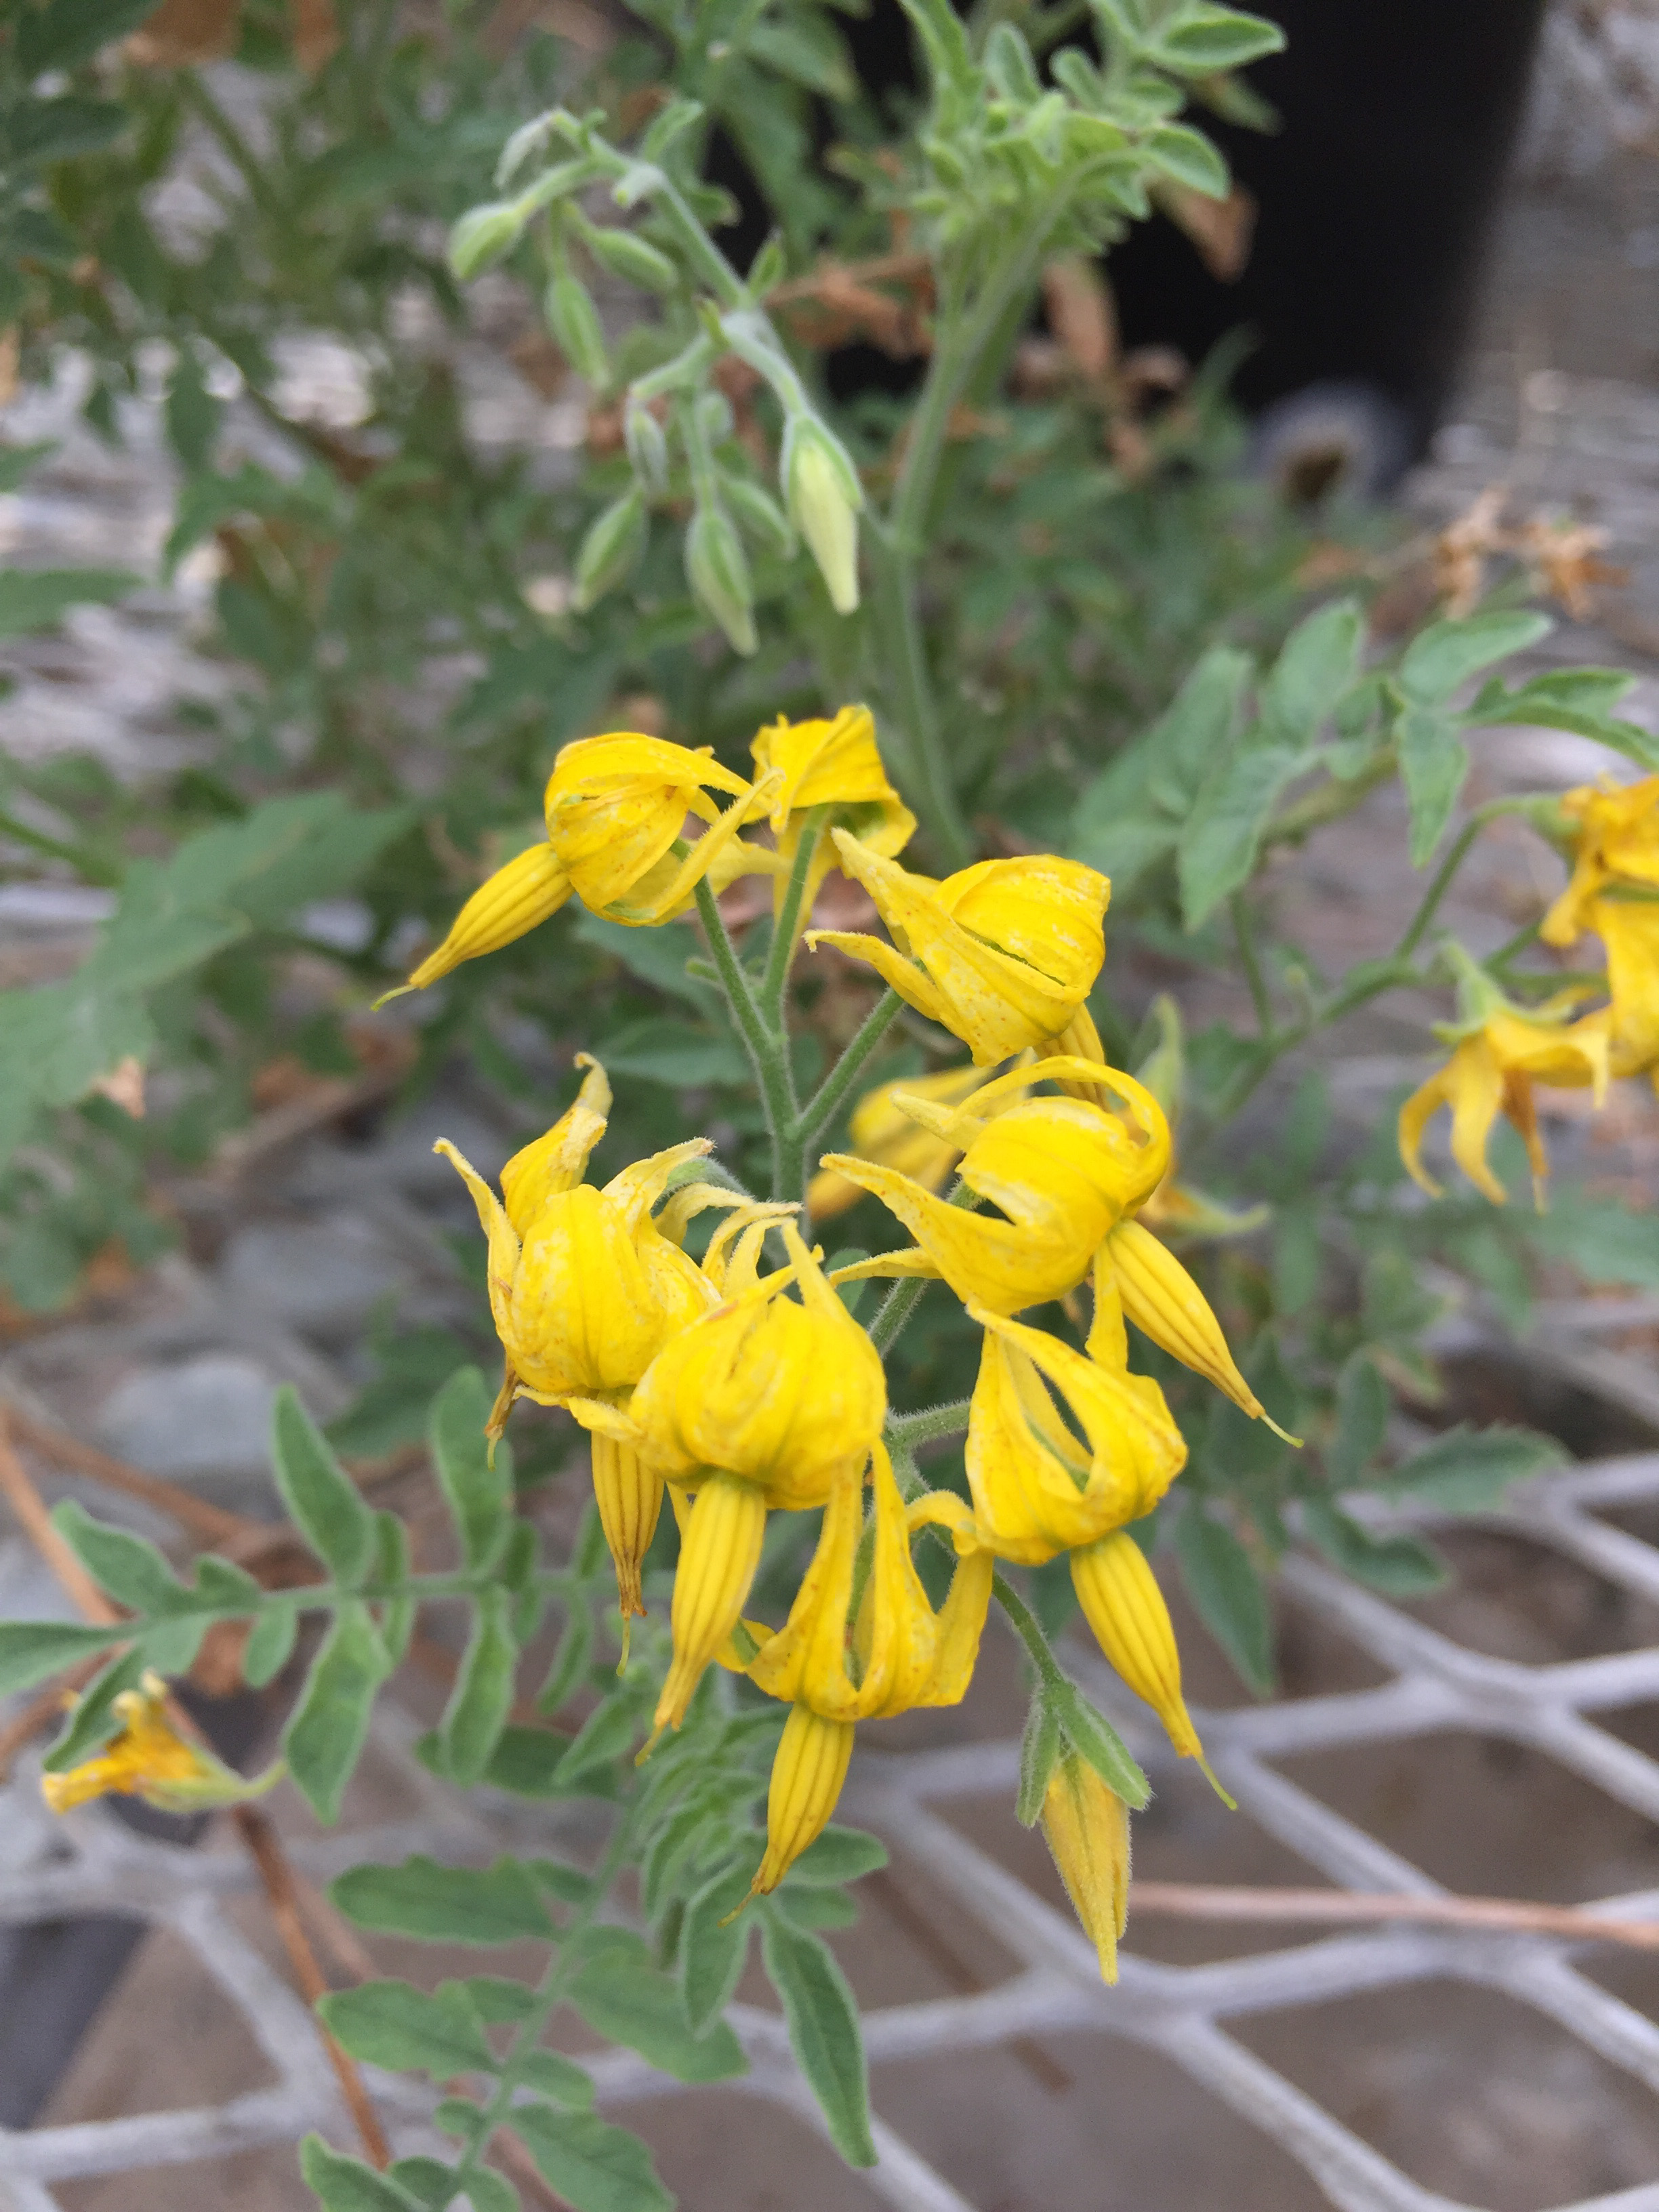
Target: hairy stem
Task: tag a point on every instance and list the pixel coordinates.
(767, 1050)
(785, 930)
(827, 1101)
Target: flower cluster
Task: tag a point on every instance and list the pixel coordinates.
(1501, 1050)
(740, 1384)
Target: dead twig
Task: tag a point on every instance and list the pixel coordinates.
(37, 1524)
(283, 1894)
(1197, 1900)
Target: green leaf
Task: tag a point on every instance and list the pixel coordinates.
(489, 2191)
(1468, 1470)
(394, 2025)
(823, 2033)
(221, 1584)
(1434, 762)
(1092, 1736)
(322, 1502)
(1364, 1403)
(445, 1905)
(502, 2003)
(550, 2074)
(1039, 1754)
(1205, 41)
(714, 1943)
(479, 1496)
(429, 2180)
(1219, 846)
(346, 2185)
(1129, 818)
(1225, 1587)
(665, 1051)
(1319, 661)
(1400, 1566)
(32, 1650)
(328, 1726)
(1189, 158)
(483, 1696)
(657, 957)
(526, 1762)
(570, 1658)
(621, 1995)
(270, 1645)
(1606, 1239)
(594, 2167)
(34, 598)
(92, 1721)
(17, 461)
(838, 1854)
(129, 1568)
(66, 33)
(42, 130)
(192, 412)
(604, 1736)
(1447, 653)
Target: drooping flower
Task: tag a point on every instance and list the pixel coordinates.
(1491, 1071)
(833, 764)
(147, 1758)
(586, 1289)
(1064, 1171)
(1124, 1606)
(1038, 1488)
(1163, 1302)
(1086, 1827)
(880, 1130)
(1614, 891)
(1628, 927)
(1002, 954)
(836, 1669)
(616, 809)
(764, 1403)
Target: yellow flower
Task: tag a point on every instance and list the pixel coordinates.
(1037, 1487)
(616, 807)
(764, 1403)
(508, 905)
(1086, 1827)
(1617, 844)
(1063, 1170)
(1629, 930)
(1124, 1606)
(1002, 954)
(896, 1654)
(881, 1130)
(585, 1290)
(832, 763)
(1163, 1302)
(148, 1759)
(1492, 1071)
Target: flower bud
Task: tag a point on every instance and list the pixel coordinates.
(1086, 1827)
(509, 904)
(807, 1774)
(717, 569)
(720, 1551)
(633, 259)
(761, 516)
(574, 322)
(484, 235)
(611, 549)
(647, 447)
(1124, 1606)
(822, 490)
(715, 421)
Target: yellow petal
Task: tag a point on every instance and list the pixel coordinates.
(1163, 1302)
(629, 1493)
(1124, 1606)
(558, 1161)
(807, 1774)
(513, 901)
(1086, 1827)
(718, 1559)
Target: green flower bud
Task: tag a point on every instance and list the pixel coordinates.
(717, 569)
(633, 259)
(761, 516)
(823, 495)
(610, 550)
(647, 446)
(715, 417)
(484, 235)
(574, 322)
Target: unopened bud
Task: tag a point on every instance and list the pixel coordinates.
(823, 495)
(715, 421)
(717, 569)
(1124, 1606)
(761, 516)
(1086, 1827)
(633, 259)
(647, 446)
(574, 322)
(610, 550)
(482, 235)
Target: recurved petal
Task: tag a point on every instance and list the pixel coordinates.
(503, 1241)
(558, 1160)
(511, 903)
(903, 975)
(1474, 1083)
(1415, 1116)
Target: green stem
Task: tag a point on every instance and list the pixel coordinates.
(787, 929)
(1026, 1625)
(768, 1051)
(906, 1431)
(896, 1309)
(1330, 801)
(1417, 928)
(562, 1969)
(822, 1107)
(1244, 931)
(91, 871)
(232, 143)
